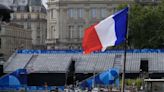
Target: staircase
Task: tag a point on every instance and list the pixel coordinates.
(10, 60)
(117, 61)
(29, 65)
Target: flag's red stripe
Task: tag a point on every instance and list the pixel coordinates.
(91, 40)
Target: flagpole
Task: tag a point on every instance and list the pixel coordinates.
(124, 68)
(124, 62)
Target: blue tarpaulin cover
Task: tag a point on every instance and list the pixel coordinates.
(14, 79)
(108, 77)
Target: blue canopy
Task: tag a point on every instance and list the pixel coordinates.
(14, 79)
(108, 77)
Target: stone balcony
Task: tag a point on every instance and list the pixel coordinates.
(70, 40)
(50, 41)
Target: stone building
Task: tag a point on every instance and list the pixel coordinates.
(13, 37)
(67, 20)
(32, 15)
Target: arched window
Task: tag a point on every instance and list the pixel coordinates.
(103, 13)
(80, 29)
(93, 12)
(80, 13)
(71, 29)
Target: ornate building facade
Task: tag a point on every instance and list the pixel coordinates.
(12, 37)
(32, 15)
(67, 20)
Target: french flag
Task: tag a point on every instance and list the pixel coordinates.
(108, 32)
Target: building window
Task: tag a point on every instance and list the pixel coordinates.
(28, 25)
(29, 16)
(38, 16)
(23, 1)
(103, 13)
(80, 30)
(22, 17)
(38, 37)
(53, 28)
(38, 27)
(80, 13)
(15, 8)
(33, 10)
(70, 47)
(0, 43)
(51, 32)
(14, 16)
(22, 8)
(71, 29)
(52, 13)
(93, 12)
(72, 12)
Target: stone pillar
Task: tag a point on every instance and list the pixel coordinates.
(53, 23)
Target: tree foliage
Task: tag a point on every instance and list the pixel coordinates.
(146, 26)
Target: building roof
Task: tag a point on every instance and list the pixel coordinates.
(35, 2)
(43, 9)
(24, 5)
(4, 7)
(59, 61)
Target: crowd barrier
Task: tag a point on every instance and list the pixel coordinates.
(31, 87)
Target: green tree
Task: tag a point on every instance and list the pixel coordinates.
(146, 26)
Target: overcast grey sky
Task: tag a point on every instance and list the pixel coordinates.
(44, 2)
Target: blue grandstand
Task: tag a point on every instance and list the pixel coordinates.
(60, 66)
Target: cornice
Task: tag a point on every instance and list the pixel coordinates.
(90, 2)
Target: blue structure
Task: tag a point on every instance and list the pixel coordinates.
(108, 77)
(80, 51)
(51, 66)
(14, 80)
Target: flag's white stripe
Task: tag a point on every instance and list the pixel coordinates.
(106, 32)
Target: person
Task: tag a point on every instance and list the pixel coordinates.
(110, 88)
(95, 90)
(46, 87)
(56, 90)
(66, 90)
(86, 89)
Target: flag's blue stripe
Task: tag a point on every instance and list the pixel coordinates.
(120, 19)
